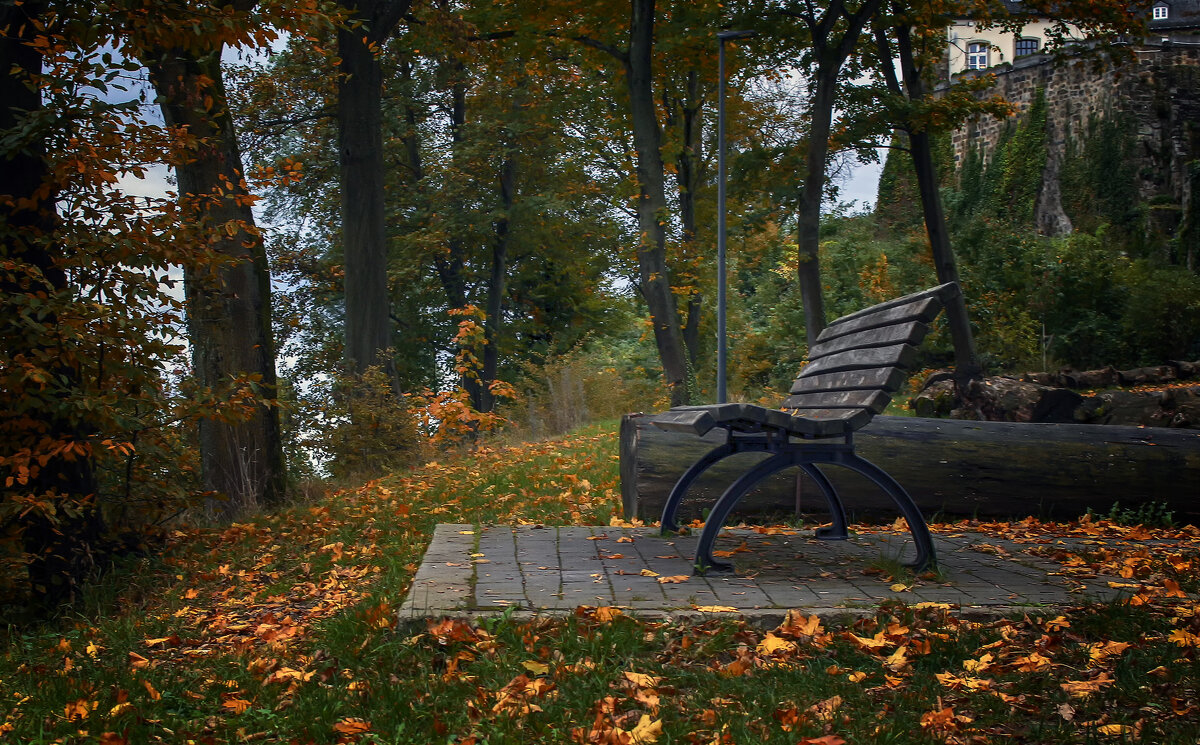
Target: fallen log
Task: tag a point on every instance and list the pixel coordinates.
(952, 468)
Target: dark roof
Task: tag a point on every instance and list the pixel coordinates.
(1183, 14)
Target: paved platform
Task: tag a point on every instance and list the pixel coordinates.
(540, 570)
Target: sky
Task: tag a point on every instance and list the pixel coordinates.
(861, 185)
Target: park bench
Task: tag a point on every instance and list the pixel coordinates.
(858, 362)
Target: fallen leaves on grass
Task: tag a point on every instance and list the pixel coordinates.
(260, 594)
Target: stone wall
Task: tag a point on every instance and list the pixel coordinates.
(1160, 87)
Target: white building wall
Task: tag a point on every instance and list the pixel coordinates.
(1001, 46)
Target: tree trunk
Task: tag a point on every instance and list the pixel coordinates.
(688, 178)
(497, 285)
(360, 147)
(831, 52)
(229, 299)
(808, 220)
(966, 360)
(654, 280)
(61, 541)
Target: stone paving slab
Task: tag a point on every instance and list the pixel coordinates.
(541, 570)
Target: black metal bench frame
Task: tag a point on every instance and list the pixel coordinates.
(863, 357)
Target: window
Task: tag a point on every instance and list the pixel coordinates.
(1160, 12)
(977, 55)
(1026, 47)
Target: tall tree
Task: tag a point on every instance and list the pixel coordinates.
(362, 177)
(834, 32)
(654, 276)
(967, 366)
(229, 294)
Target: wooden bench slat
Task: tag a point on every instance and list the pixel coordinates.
(899, 355)
(910, 332)
(689, 422)
(943, 293)
(820, 422)
(923, 310)
(887, 379)
(832, 422)
(875, 401)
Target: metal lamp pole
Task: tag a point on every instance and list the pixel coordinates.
(722, 37)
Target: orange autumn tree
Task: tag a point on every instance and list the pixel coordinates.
(92, 442)
(97, 412)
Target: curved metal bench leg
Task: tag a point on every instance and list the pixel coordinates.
(716, 518)
(669, 525)
(926, 556)
(837, 511)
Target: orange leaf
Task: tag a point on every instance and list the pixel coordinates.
(352, 726)
(236, 705)
(154, 694)
(1084, 688)
(77, 709)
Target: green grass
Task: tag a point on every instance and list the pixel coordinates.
(283, 629)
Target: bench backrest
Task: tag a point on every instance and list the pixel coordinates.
(861, 359)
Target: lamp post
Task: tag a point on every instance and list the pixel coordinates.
(722, 37)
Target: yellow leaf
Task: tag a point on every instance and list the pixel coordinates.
(1114, 729)
(120, 708)
(642, 680)
(537, 668)
(872, 644)
(715, 608)
(857, 677)
(898, 587)
(673, 580)
(646, 730)
(771, 645)
(897, 661)
(648, 573)
(979, 665)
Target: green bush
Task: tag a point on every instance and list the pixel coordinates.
(1162, 313)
